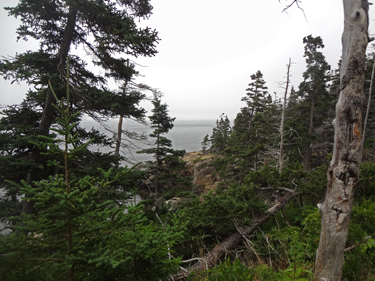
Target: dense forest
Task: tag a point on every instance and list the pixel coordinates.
(251, 205)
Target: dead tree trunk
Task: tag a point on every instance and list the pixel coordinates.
(210, 259)
(307, 153)
(368, 103)
(347, 153)
(283, 118)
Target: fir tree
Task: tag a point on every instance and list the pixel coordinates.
(77, 233)
(107, 30)
(220, 134)
(168, 163)
(206, 144)
(314, 100)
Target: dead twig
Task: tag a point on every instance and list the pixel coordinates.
(357, 244)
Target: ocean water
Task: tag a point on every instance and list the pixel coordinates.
(186, 134)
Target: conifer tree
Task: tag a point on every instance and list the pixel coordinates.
(257, 95)
(168, 162)
(105, 28)
(258, 115)
(220, 134)
(206, 144)
(107, 31)
(313, 92)
(77, 233)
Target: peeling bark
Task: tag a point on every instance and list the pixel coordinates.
(210, 259)
(343, 171)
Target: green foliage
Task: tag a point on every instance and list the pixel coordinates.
(167, 167)
(220, 134)
(256, 95)
(358, 263)
(205, 143)
(76, 232)
(310, 110)
(366, 187)
(109, 31)
(212, 219)
(226, 271)
(236, 270)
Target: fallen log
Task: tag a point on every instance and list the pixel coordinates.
(211, 258)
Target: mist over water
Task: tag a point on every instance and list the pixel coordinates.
(186, 134)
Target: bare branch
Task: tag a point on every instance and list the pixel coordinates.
(357, 244)
(297, 3)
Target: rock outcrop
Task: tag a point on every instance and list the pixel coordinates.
(202, 171)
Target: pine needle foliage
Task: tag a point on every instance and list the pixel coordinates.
(76, 233)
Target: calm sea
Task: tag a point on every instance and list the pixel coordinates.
(186, 134)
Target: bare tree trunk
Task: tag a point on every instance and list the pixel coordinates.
(343, 171)
(210, 259)
(283, 118)
(307, 153)
(368, 103)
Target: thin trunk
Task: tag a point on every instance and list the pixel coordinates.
(373, 151)
(118, 139)
(67, 179)
(119, 127)
(307, 154)
(48, 110)
(211, 258)
(368, 103)
(343, 172)
(283, 118)
(158, 163)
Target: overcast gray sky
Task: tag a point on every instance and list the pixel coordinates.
(209, 49)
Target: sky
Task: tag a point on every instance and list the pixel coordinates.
(209, 49)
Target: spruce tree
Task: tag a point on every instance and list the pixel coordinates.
(220, 134)
(313, 91)
(107, 31)
(77, 233)
(258, 114)
(168, 163)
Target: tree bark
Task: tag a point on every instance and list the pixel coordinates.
(283, 118)
(343, 171)
(210, 259)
